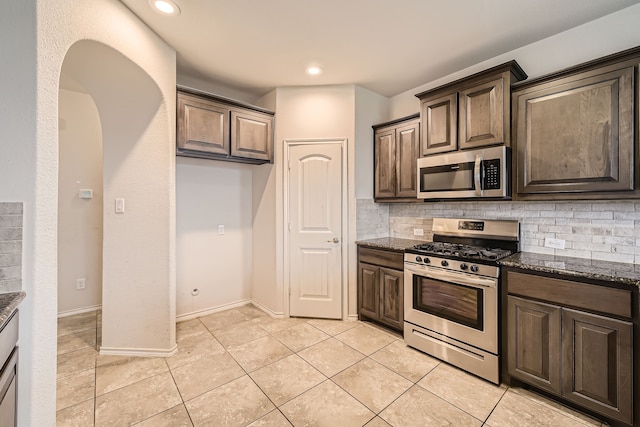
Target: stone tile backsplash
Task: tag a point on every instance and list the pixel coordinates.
(10, 247)
(608, 231)
(372, 219)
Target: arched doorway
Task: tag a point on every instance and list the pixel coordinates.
(132, 246)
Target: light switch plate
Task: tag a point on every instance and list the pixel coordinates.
(119, 205)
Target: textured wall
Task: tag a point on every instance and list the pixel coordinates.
(79, 220)
(10, 247)
(36, 35)
(600, 230)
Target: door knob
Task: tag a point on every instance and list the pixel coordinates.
(334, 240)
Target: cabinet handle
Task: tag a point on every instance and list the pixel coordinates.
(334, 240)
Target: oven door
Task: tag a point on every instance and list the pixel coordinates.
(458, 305)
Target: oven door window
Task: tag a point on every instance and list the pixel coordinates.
(456, 177)
(457, 303)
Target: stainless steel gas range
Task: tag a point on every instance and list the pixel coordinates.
(451, 292)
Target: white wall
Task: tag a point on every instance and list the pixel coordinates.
(603, 36)
(79, 220)
(36, 36)
(212, 193)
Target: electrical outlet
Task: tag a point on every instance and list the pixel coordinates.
(418, 232)
(553, 243)
(81, 283)
(221, 229)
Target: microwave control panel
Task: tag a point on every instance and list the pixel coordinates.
(491, 174)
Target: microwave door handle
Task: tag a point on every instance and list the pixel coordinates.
(477, 171)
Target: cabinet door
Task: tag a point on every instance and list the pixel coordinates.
(385, 163)
(369, 284)
(407, 149)
(534, 343)
(481, 119)
(597, 363)
(439, 125)
(251, 135)
(575, 135)
(202, 125)
(392, 297)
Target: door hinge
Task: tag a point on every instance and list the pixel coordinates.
(289, 290)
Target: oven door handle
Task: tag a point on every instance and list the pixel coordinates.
(458, 278)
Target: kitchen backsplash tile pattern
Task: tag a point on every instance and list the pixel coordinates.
(372, 219)
(10, 247)
(608, 231)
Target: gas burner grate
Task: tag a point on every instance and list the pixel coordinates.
(463, 251)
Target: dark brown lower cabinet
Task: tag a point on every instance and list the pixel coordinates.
(381, 287)
(583, 357)
(369, 290)
(534, 343)
(597, 363)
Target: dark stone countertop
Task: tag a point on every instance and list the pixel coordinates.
(616, 272)
(389, 243)
(8, 303)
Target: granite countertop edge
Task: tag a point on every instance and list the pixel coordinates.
(604, 271)
(9, 302)
(389, 243)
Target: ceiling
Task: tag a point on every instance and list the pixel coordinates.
(386, 46)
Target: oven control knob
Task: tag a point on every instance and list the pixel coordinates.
(418, 259)
(427, 260)
(463, 266)
(444, 263)
(474, 268)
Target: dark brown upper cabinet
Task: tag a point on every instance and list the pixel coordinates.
(439, 121)
(575, 132)
(221, 129)
(396, 152)
(469, 113)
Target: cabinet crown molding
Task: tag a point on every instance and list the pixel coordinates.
(517, 74)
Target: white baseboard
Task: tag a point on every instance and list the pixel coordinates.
(138, 352)
(352, 317)
(274, 314)
(73, 312)
(205, 312)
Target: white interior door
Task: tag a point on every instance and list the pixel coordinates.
(315, 230)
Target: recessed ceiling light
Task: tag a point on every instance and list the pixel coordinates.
(313, 70)
(165, 7)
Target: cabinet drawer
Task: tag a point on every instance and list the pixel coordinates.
(382, 258)
(617, 302)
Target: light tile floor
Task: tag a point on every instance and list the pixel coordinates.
(242, 368)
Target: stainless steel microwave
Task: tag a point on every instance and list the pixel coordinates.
(466, 174)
